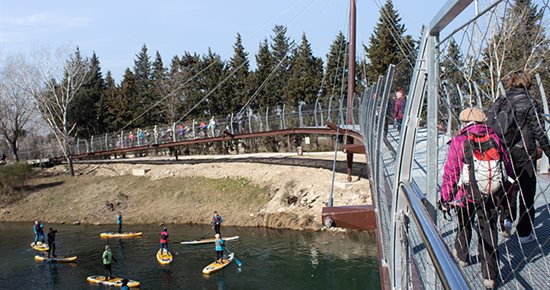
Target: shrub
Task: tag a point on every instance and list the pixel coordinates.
(13, 176)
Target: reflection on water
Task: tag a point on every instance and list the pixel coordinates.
(272, 259)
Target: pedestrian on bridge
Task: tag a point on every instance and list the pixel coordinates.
(474, 179)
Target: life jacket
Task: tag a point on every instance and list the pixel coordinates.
(483, 173)
(164, 237)
(216, 220)
(219, 244)
(118, 219)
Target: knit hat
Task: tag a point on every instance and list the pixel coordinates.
(472, 115)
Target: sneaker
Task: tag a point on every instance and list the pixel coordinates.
(489, 284)
(460, 262)
(525, 240)
(506, 229)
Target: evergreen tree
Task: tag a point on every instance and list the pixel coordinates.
(305, 76)
(336, 71)
(143, 87)
(122, 107)
(83, 110)
(387, 45)
(238, 85)
(107, 104)
(264, 62)
(280, 49)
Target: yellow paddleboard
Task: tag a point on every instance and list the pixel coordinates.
(117, 282)
(121, 235)
(164, 257)
(214, 267)
(60, 259)
(40, 246)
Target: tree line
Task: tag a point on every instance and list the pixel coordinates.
(81, 100)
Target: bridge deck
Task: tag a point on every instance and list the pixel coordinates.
(521, 266)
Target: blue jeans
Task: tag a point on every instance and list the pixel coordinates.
(39, 236)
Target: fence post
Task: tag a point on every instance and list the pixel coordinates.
(321, 113)
(544, 162)
(267, 118)
(284, 120)
(106, 142)
(249, 120)
(92, 143)
(193, 128)
(315, 112)
(300, 117)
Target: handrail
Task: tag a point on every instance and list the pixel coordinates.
(446, 268)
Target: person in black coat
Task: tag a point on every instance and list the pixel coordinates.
(523, 150)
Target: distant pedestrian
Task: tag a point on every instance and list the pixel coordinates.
(399, 109)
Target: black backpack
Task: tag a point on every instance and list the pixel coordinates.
(501, 118)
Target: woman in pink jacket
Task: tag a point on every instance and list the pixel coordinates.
(474, 178)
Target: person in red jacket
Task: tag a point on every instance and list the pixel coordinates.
(164, 239)
(399, 109)
(475, 178)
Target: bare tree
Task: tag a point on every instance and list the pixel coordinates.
(54, 82)
(16, 105)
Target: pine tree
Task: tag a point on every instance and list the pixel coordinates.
(336, 72)
(387, 45)
(261, 83)
(280, 50)
(305, 76)
(107, 105)
(83, 110)
(122, 107)
(143, 87)
(239, 84)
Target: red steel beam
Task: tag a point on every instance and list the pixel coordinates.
(331, 130)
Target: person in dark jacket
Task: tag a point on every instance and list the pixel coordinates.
(523, 151)
(51, 243)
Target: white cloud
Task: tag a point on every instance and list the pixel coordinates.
(45, 19)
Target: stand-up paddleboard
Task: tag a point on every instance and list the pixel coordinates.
(120, 235)
(59, 259)
(117, 282)
(39, 246)
(207, 241)
(164, 257)
(214, 267)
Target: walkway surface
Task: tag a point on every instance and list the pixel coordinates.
(521, 266)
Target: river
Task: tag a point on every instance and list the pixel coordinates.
(271, 259)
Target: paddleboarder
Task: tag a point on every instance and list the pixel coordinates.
(164, 239)
(107, 258)
(217, 222)
(119, 222)
(38, 232)
(51, 243)
(219, 248)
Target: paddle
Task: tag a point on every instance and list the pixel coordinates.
(234, 258)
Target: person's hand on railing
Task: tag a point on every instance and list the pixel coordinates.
(445, 208)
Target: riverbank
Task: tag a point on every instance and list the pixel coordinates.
(267, 194)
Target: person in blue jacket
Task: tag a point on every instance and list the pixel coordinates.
(39, 232)
(119, 222)
(216, 222)
(219, 248)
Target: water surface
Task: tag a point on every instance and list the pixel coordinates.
(271, 259)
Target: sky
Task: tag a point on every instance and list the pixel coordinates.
(117, 29)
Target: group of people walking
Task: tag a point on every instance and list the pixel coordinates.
(490, 173)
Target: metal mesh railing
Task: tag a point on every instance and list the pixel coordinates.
(472, 65)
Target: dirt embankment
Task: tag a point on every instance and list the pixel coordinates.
(246, 194)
